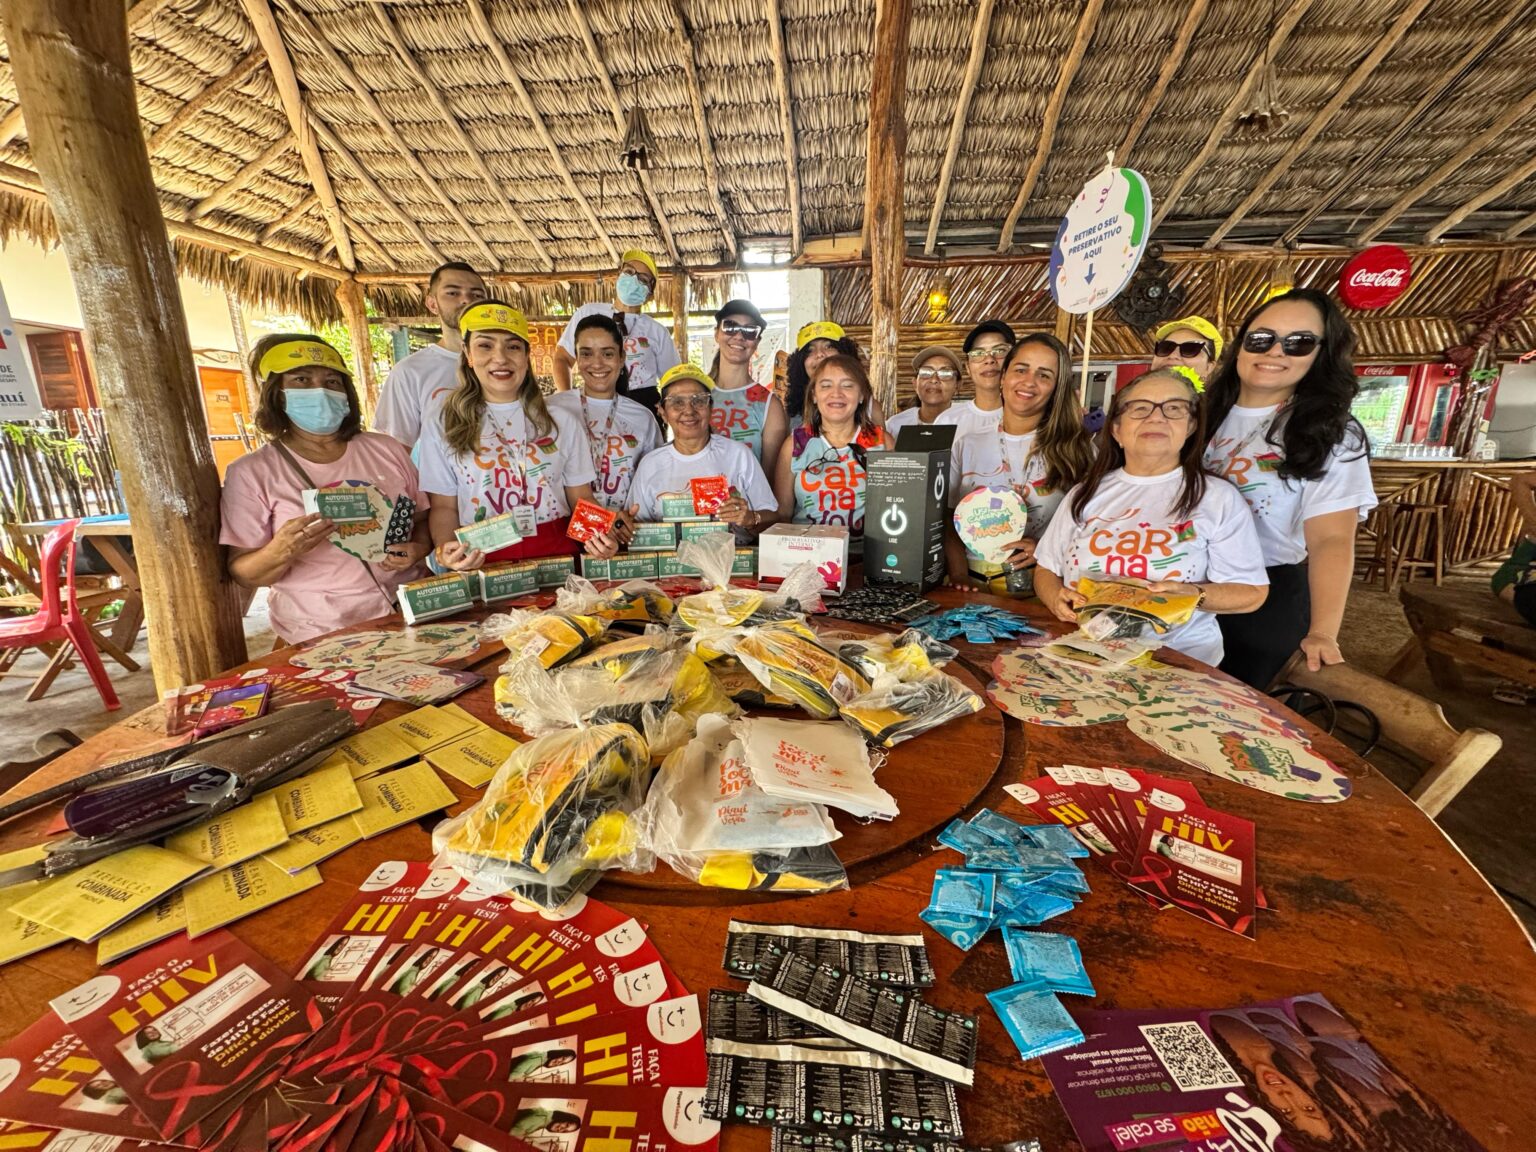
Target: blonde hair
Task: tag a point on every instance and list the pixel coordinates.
(464, 410)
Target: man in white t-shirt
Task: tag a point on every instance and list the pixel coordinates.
(648, 347)
(417, 384)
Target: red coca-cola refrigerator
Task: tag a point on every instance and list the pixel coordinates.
(1408, 403)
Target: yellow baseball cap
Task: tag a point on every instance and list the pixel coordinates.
(818, 330)
(685, 372)
(639, 257)
(300, 352)
(1195, 324)
(493, 316)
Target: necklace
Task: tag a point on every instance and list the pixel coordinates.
(516, 456)
(1020, 486)
(599, 442)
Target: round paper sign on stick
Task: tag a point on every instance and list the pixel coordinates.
(1100, 240)
(1375, 277)
(988, 519)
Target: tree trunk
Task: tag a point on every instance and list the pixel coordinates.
(884, 182)
(73, 77)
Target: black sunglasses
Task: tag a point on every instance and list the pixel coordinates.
(1185, 348)
(1295, 344)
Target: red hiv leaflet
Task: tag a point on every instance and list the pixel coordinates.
(1199, 860)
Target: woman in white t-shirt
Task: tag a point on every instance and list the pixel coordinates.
(936, 374)
(497, 448)
(1149, 511)
(1284, 435)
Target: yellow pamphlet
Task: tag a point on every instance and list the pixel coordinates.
(473, 757)
(317, 797)
(371, 750)
(462, 715)
(430, 726)
(91, 900)
(166, 918)
(313, 845)
(243, 832)
(398, 797)
(235, 893)
(20, 937)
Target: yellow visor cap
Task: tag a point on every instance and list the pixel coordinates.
(490, 316)
(685, 372)
(819, 330)
(291, 354)
(1195, 324)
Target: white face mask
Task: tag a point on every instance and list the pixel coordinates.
(632, 290)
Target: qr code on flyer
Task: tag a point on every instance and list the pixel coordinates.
(1190, 1057)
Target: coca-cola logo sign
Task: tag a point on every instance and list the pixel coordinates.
(1375, 277)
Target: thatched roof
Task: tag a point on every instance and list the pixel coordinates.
(496, 140)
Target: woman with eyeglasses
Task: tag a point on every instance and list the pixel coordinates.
(744, 410)
(1039, 449)
(986, 347)
(1193, 342)
(695, 452)
(935, 376)
(821, 468)
(1149, 512)
(1284, 435)
(648, 347)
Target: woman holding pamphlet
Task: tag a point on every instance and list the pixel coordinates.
(1148, 512)
(819, 475)
(283, 505)
(1029, 460)
(1283, 433)
(742, 409)
(502, 469)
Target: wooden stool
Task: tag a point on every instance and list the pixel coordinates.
(1377, 533)
(1416, 539)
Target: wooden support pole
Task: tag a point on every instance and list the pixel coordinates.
(184, 115)
(354, 311)
(73, 76)
(680, 313)
(787, 119)
(885, 188)
(1173, 59)
(981, 24)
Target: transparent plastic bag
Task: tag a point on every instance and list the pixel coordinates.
(1124, 609)
(789, 661)
(554, 637)
(635, 603)
(894, 709)
(723, 606)
(911, 655)
(560, 806)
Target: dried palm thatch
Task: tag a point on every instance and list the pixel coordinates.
(489, 130)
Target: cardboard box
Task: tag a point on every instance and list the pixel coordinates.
(667, 564)
(595, 569)
(679, 506)
(340, 505)
(700, 528)
(508, 581)
(906, 502)
(434, 597)
(654, 538)
(490, 535)
(745, 563)
(784, 547)
(633, 566)
(552, 571)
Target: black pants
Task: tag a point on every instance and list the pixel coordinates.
(1260, 643)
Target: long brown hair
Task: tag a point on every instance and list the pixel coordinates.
(464, 410)
(1061, 439)
(855, 368)
(1112, 456)
(271, 418)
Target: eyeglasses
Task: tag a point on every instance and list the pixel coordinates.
(999, 352)
(683, 403)
(832, 455)
(746, 331)
(1171, 409)
(945, 374)
(1293, 344)
(1185, 348)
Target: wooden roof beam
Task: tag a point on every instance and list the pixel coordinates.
(980, 26)
(386, 261)
(259, 13)
(1341, 96)
(1507, 183)
(297, 212)
(143, 12)
(333, 142)
(1519, 228)
(594, 55)
(239, 180)
(787, 119)
(1172, 62)
(1288, 21)
(456, 130)
(482, 24)
(1085, 26)
(684, 46)
(1443, 170)
(210, 95)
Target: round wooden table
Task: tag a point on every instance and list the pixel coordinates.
(1372, 906)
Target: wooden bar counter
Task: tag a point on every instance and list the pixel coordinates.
(1481, 524)
(1372, 906)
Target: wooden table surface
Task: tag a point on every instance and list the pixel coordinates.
(1372, 906)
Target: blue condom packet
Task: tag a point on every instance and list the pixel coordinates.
(1035, 1020)
(960, 930)
(1027, 906)
(993, 857)
(1048, 958)
(1057, 837)
(960, 836)
(963, 891)
(999, 827)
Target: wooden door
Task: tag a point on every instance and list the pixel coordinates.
(223, 400)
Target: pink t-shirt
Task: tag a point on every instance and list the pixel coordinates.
(326, 588)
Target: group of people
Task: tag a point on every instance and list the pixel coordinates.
(1238, 476)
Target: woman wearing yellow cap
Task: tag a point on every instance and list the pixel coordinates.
(497, 448)
(814, 344)
(308, 411)
(648, 347)
(1193, 342)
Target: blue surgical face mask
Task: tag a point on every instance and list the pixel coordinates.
(318, 411)
(632, 290)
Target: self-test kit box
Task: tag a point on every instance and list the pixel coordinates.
(906, 502)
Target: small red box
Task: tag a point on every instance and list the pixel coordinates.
(589, 520)
(709, 492)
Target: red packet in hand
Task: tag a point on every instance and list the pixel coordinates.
(709, 492)
(589, 520)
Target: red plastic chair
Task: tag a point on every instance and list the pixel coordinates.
(58, 621)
